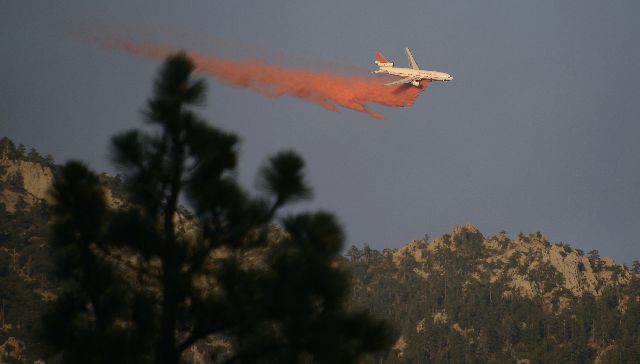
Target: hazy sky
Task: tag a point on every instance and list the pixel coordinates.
(539, 131)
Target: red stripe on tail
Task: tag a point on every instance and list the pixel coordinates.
(381, 58)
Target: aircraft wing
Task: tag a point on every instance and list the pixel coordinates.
(412, 62)
(404, 80)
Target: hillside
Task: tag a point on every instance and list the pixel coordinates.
(464, 298)
(26, 281)
(458, 298)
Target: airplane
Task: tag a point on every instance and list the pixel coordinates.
(411, 75)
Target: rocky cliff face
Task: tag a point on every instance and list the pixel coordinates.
(35, 178)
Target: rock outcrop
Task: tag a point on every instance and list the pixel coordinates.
(522, 261)
(30, 182)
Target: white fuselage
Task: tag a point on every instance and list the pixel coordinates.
(410, 72)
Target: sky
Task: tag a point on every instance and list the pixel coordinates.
(538, 131)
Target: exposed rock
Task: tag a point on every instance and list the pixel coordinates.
(37, 178)
(418, 249)
(400, 346)
(12, 348)
(440, 317)
(12, 200)
(528, 262)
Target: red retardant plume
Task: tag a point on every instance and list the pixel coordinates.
(324, 89)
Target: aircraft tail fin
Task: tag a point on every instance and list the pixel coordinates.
(381, 58)
(412, 62)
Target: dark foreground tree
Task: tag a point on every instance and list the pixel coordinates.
(145, 283)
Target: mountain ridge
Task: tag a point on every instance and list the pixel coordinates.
(580, 273)
(437, 292)
(465, 298)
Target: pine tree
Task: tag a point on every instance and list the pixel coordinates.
(143, 287)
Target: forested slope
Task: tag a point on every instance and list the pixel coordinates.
(464, 298)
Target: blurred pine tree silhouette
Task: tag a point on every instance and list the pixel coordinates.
(141, 289)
